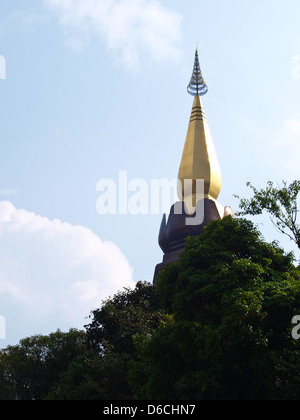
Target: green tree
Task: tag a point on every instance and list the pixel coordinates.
(281, 203)
(101, 374)
(231, 297)
(78, 365)
(81, 381)
(30, 369)
(127, 313)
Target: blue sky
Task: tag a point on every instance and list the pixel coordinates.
(94, 87)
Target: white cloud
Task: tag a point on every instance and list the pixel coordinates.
(133, 30)
(52, 274)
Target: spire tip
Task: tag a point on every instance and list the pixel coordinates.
(197, 85)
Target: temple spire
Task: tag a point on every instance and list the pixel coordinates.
(199, 159)
(197, 85)
(195, 209)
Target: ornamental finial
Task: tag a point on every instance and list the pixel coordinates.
(197, 85)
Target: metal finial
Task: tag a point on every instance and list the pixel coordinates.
(197, 85)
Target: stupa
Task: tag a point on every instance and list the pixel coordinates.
(199, 181)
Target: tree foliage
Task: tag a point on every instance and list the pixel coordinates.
(83, 365)
(30, 369)
(232, 298)
(217, 326)
(281, 203)
(127, 313)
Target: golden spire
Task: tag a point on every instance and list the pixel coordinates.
(199, 159)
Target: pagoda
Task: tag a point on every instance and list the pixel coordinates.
(199, 181)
